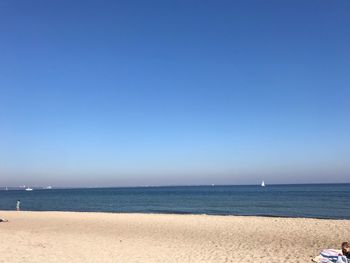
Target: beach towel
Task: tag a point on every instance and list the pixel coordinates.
(331, 256)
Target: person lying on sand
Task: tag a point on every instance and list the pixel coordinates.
(334, 255)
(345, 248)
(3, 220)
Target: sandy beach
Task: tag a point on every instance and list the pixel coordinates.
(103, 237)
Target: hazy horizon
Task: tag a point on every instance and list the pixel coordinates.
(45, 186)
(117, 93)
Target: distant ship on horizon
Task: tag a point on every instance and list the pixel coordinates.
(29, 189)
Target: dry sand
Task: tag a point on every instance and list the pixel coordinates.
(103, 237)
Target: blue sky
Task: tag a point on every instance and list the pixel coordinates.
(109, 93)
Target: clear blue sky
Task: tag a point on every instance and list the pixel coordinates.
(174, 92)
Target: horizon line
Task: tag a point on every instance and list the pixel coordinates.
(2, 188)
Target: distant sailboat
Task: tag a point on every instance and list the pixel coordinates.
(262, 184)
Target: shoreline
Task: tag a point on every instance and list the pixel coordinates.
(180, 213)
(50, 236)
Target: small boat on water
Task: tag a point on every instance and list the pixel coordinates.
(262, 184)
(28, 189)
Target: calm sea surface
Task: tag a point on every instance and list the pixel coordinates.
(319, 201)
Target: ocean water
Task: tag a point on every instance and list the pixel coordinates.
(316, 201)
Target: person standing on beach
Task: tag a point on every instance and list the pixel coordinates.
(18, 204)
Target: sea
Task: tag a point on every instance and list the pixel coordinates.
(329, 201)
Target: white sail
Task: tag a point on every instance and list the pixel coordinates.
(263, 184)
